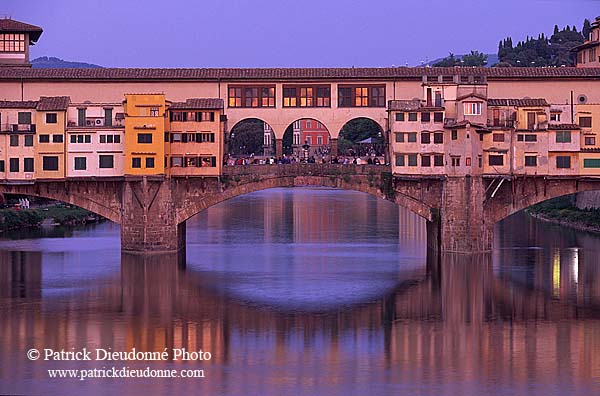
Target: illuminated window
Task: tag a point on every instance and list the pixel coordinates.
(252, 96)
(12, 42)
(472, 108)
(361, 96)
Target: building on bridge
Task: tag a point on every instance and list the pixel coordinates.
(95, 139)
(195, 146)
(467, 146)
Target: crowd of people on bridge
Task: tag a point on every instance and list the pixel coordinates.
(313, 159)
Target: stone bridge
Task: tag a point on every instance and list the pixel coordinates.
(152, 211)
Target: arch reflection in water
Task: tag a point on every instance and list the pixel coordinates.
(455, 326)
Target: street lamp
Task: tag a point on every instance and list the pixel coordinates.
(305, 148)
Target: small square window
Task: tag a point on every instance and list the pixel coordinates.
(136, 162)
(149, 162)
(412, 116)
(399, 116)
(412, 159)
(80, 163)
(51, 118)
(399, 159)
(425, 160)
(44, 138)
(530, 160)
(28, 140)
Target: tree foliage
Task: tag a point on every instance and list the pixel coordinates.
(356, 130)
(542, 51)
(475, 58)
(248, 137)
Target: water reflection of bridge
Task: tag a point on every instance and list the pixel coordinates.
(455, 315)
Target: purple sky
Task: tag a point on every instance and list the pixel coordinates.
(280, 33)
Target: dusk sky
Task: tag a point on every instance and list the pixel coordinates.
(279, 33)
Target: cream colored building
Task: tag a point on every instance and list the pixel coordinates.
(95, 140)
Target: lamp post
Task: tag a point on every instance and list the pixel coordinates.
(305, 148)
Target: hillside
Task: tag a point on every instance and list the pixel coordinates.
(45, 62)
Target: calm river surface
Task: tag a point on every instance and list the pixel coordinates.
(307, 292)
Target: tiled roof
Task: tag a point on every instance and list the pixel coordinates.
(558, 127)
(49, 103)
(472, 95)
(10, 25)
(404, 105)
(518, 102)
(415, 73)
(198, 104)
(462, 124)
(12, 104)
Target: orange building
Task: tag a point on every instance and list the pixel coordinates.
(195, 138)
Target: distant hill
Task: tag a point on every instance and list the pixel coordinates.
(492, 59)
(45, 62)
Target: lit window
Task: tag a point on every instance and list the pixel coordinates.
(472, 108)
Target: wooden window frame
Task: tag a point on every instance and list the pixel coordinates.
(260, 100)
(361, 95)
(306, 96)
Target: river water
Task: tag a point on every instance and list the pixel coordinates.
(306, 292)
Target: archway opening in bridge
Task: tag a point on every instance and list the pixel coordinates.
(282, 245)
(307, 139)
(251, 137)
(22, 213)
(361, 137)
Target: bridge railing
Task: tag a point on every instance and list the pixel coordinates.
(300, 169)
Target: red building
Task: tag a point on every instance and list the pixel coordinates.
(313, 133)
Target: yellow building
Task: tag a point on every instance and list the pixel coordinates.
(17, 134)
(196, 138)
(50, 145)
(588, 118)
(144, 134)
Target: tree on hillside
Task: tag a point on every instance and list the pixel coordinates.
(587, 28)
(543, 51)
(448, 61)
(475, 58)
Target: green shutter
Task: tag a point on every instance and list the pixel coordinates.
(108, 117)
(591, 163)
(80, 117)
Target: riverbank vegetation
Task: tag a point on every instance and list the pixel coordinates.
(562, 210)
(11, 218)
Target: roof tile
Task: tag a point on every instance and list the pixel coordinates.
(198, 104)
(539, 102)
(295, 73)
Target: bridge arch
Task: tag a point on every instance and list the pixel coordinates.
(367, 184)
(310, 131)
(251, 135)
(105, 203)
(358, 129)
(527, 191)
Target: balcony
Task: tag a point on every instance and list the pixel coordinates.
(96, 122)
(17, 128)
